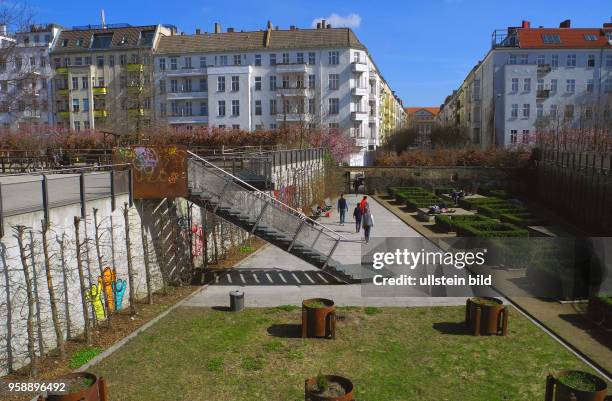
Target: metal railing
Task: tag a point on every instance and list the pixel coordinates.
(31, 192)
(264, 210)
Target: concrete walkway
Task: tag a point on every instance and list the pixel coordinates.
(260, 292)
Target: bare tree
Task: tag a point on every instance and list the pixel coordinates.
(20, 230)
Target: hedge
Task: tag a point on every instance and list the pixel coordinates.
(447, 222)
(489, 229)
(522, 219)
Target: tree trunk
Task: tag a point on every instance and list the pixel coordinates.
(59, 336)
(101, 268)
(128, 250)
(41, 345)
(65, 285)
(30, 295)
(87, 324)
(145, 252)
(9, 314)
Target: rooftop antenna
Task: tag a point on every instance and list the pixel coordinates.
(103, 19)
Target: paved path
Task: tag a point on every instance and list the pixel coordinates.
(272, 263)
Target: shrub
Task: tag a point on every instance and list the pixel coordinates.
(489, 229)
(81, 357)
(522, 219)
(447, 222)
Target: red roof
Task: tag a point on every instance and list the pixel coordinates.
(432, 110)
(570, 38)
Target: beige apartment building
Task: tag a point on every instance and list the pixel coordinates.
(102, 76)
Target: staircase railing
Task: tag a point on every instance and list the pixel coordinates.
(227, 190)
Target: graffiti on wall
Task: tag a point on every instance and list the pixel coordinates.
(198, 240)
(285, 194)
(113, 289)
(158, 171)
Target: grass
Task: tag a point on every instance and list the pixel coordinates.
(395, 354)
(83, 356)
(581, 381)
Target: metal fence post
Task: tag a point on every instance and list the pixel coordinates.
(297, 232)
(331, 253)
(45, 198)
(1, 214)
(82, 194)
(112, 190)
(131, 186)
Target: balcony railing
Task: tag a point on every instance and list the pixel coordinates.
(61, 70)
(100, 113)
(136, 112)
(543, 93)
(544, 69)
(63, 114)
(62, 92)
(359, 66)
(99, 90)
(186, 71)
(135, 67)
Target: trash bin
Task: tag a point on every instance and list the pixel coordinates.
(236, 301)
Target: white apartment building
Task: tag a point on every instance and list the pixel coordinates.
(532, 77)
(274, 78)
(25, 77)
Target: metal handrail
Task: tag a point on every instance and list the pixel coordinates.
(63, 170)
(265, 195)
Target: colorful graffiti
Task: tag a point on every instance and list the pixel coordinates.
(159, 172)
(198, 240)
(285, 194)
(114, 290)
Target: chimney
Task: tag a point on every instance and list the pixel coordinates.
(230, 29)
(3, 29)
(292, 28)
(328, 26)
(276, 28)
(606, 25)
(566, 24)
(318, 25)
(526, 24)
(322, 24)
(198, 31)
(217, 27)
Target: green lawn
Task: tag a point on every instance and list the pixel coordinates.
(391, 354)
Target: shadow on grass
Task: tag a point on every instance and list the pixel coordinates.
(452, 328)
(222, 308)
(285, 330)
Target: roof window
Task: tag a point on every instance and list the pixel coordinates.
(551, 39)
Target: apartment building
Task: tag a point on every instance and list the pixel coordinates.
(102, 76)
(275, 78)
(534, 78)
(422, 120)
(25, 77)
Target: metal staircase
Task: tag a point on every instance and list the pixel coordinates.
(259, 213)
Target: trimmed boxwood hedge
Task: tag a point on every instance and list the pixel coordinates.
(522, 219)
(500, 193)
(489, 229)
(447, 222)
(495, 210)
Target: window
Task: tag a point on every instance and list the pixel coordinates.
(334, 80)
(515, 84)
(188, 111)
(88, 60)
(162, 64)
(334, 58)
(173, 85)
(588, 113)
(162, 86)
(609, 60)
(237, 59)
(235, 83)
(272, 82)
(569, 111)
(312, 58)
(526, 110)
(527, 85)
(221, 108)
(514, 110)
(285, 81)
(608, 85)
(123, 59)
(553, 85)
(236, 126)
(173, 63)
(174, 108)
(571, 60)
(273, 126)
(202, 62)
(525, 136)
(540, 87)
(204, 108)
(272, 106)
(591, 61)
(513, 136)
(311, 81)
(333, 125)
(204, 84)
(257, 83)
(100, 61)
(75, 83)
(272, 59)
(85, 104)
(512, 59)
(220, 84)
(111, 60)
(590, 37)
(187, 85)
(311, 106)
(524, 59)
(258, 59)
(334, 105)
(553, 111)
(85, 82)
(18, 63)
(221, 126)
(258, 107)
(235, 108)
(551, 38)
(590, 85)
(476, 90)
(187, 63)
(570, 86)
(541, 60)
(77, 126)
(554, 61)
(299, 58)
(75, 105)
(539, 110)
(223, 60)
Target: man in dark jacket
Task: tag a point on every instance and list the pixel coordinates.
(357, 216)
(342, 208)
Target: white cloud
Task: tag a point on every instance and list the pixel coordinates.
(347, 21)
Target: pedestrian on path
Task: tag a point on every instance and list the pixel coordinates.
(342, 208)
(357, 217)
(368, 222)
(363, 204)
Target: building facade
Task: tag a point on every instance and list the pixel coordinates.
(25, 77)
(421, 119)
(532, 78)
(273, 78)
(102, 76)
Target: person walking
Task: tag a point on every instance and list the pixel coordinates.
(363, 204)
(368, 222)
(357, 217)
(342, 208)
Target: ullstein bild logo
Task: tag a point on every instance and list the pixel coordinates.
(412, 259)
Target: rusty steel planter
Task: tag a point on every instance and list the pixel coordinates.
(318, 322)
(346, 384)
(558, 391)
(486, 319)
(98, 391)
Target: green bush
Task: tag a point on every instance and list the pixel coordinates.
(81, 357)
(522, 219)
(495, 210)
(447, 222)
(489, 229)
(500, 193)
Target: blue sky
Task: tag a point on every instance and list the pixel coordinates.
(424, 48)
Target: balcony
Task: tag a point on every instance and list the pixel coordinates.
(186, 95)
(100, 113)
(373, 119)
(63, 114)
(359, 116)
(136, 112)
(135, 89)
(291, 68)
(184, 119)
(291, 91)
(61, 70)
(543, 94)
(99, 90)
(186, 72)
(359, 66)
(360, 91)
(290, 117)
(544, 69)
(135, 67)
(31, 114)
(62, 92)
